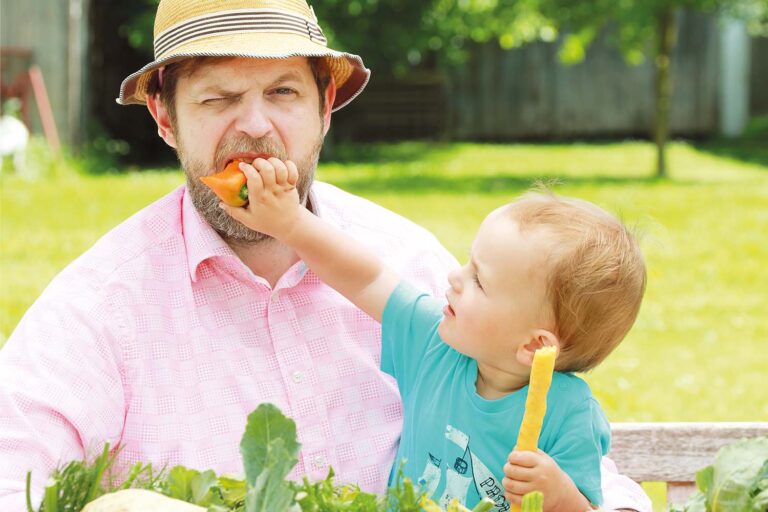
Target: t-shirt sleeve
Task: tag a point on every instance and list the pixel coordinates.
(408, 324)
(584, 437)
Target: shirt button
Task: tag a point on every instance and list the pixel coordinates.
(319, 462)
(274, 296)
(298, 377)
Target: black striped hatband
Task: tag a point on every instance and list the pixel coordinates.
(244, 20)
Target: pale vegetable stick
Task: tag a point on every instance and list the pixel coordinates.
(533, 502)
(536, 402)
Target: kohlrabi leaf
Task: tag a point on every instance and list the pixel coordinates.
(736, 470)
(269, 441)
(191, 485)
(269, 449)
(759, 491)
(269, 493)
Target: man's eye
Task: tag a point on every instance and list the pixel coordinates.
(284, 91)
(219, 100)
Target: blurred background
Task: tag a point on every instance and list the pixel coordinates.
(654, 109)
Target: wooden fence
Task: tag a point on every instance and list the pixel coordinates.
(55, 32)
(528, 93)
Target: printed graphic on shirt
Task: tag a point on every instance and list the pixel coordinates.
(460, 475)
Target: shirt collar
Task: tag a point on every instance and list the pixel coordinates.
(203, 242)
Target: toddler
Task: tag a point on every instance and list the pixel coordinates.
(543, 271)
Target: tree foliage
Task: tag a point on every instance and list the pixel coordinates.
(397, 35)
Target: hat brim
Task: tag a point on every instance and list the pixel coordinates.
(348, 71)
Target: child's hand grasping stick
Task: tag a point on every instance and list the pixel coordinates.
(536, 402)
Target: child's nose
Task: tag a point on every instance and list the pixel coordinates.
(454, 280)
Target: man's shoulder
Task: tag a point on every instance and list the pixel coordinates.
(360, 216)
(149, 228)
(408, 248)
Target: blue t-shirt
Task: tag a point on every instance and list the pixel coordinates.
(454, 441)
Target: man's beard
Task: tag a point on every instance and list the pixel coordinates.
(207, 203)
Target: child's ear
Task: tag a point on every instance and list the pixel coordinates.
(539, 339)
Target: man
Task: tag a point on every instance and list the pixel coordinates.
(162, 337)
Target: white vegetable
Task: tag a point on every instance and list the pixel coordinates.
(139, 500)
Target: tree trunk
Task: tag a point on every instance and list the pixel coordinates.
(665, 41)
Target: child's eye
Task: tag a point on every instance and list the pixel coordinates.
(477, 281)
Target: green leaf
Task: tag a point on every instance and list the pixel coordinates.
(270, 493)
(232, 490)
(179, 483)
(705, 479)
(269, 441)
(270, 451)
(202, 486)
(736, 470)
(736, 482)
(759, 491)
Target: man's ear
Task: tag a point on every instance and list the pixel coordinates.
(539, 339)
(160, 115)
(330, 97)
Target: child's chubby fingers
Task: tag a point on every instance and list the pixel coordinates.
(517, 473)
(514, 490)
(293, 173)
(266, 170)
(254, 179)
(281, 171)
(523, 458)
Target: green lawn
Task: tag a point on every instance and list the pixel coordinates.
(697, 352)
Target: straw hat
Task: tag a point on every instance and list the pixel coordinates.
(243, 28)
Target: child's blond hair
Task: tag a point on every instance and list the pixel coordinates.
(596, 275)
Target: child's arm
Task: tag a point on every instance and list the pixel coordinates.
(337, 259)
(536, 471)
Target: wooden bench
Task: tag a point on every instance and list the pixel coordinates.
(673, 452)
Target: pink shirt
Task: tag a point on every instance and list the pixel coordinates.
(161, 341)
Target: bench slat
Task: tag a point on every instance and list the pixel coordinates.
(673, 452)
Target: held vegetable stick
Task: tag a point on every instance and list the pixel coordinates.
(533, 502)
(536, 402)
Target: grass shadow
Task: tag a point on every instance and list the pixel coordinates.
(379, 153)
(494, 183)
(751, 147)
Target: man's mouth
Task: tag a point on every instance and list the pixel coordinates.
(245, 157)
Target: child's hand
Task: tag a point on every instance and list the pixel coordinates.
(273, 201)
(536, 471)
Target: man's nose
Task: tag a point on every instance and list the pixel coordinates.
(253, 119)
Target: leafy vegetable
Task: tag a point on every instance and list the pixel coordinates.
(269, 449)
(191, 486)
(77, 483)
(736, 482)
